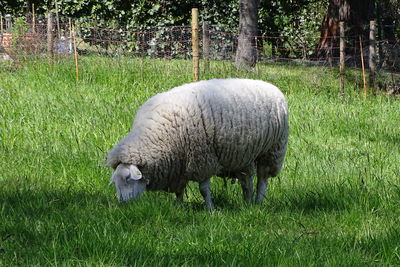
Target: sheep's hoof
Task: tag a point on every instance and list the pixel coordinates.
(210, 207)
(178, 202)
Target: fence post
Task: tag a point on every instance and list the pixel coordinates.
(70, 36)
(372, 53)
(342, 57)
(57, 21)
(1, 22)
(50, 34)
(75, 54)
(206, 45)
(363, 66)
(33, 19)
(8, 20)
(195, 43)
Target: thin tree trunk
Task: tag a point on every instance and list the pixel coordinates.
(338, 10)
(372, 53)
(28, 6)
(246, 54)
(355, 13)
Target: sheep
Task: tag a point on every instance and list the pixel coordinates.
(220, 127)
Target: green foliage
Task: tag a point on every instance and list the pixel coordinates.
(135, 15)
(11, 6)
(334, 204)
(298, 22)
(19, 31)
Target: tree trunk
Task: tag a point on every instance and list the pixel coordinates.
(388, 19)
(338, 10)
(28, 12)
(355, 13)
(246, 54)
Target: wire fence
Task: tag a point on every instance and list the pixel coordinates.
(29, 42)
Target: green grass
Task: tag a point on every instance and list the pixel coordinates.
(336, 202)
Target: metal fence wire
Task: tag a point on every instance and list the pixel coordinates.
(37, 40)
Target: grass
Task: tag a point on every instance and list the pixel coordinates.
(336, 202)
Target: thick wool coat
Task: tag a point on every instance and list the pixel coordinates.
(216, 127)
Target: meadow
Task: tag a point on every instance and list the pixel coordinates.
(335, 203)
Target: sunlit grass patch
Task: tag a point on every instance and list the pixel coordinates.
(335, 202)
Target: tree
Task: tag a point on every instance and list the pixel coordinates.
(388, 20)
(246, 54)
(295, 22)
(355, 13)
(388, 16)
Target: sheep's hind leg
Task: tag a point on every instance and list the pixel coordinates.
(262, 184)
(246, 181)
(206, 193)
(179, 197)
(269, 166)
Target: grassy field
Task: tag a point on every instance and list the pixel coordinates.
(336, 202)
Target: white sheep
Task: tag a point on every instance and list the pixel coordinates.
(220, 127)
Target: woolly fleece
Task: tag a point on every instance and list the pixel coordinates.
(217, 127)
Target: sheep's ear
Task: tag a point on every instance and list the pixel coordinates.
(135, 173)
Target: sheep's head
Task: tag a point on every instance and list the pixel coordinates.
(128, 181)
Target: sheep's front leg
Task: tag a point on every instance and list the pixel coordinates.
(245, 177)
(246, 181)
(179, 197)
(206, 193)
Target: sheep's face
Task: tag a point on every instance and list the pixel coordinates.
(128, 181)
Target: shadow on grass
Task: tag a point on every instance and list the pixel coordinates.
(206, 257)
(37, 203)
(391, 139)
(34, 203)
(329, 198)
(326, 198)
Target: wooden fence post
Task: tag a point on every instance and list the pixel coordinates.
(57, 21)
(363, 66)
(70, 36)
(195, 43)
(206, 45)
(33, 19)
(1, 22)
(75, 53)
(372, 53)
(342, 57)
(8, 20)
(50, 35)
